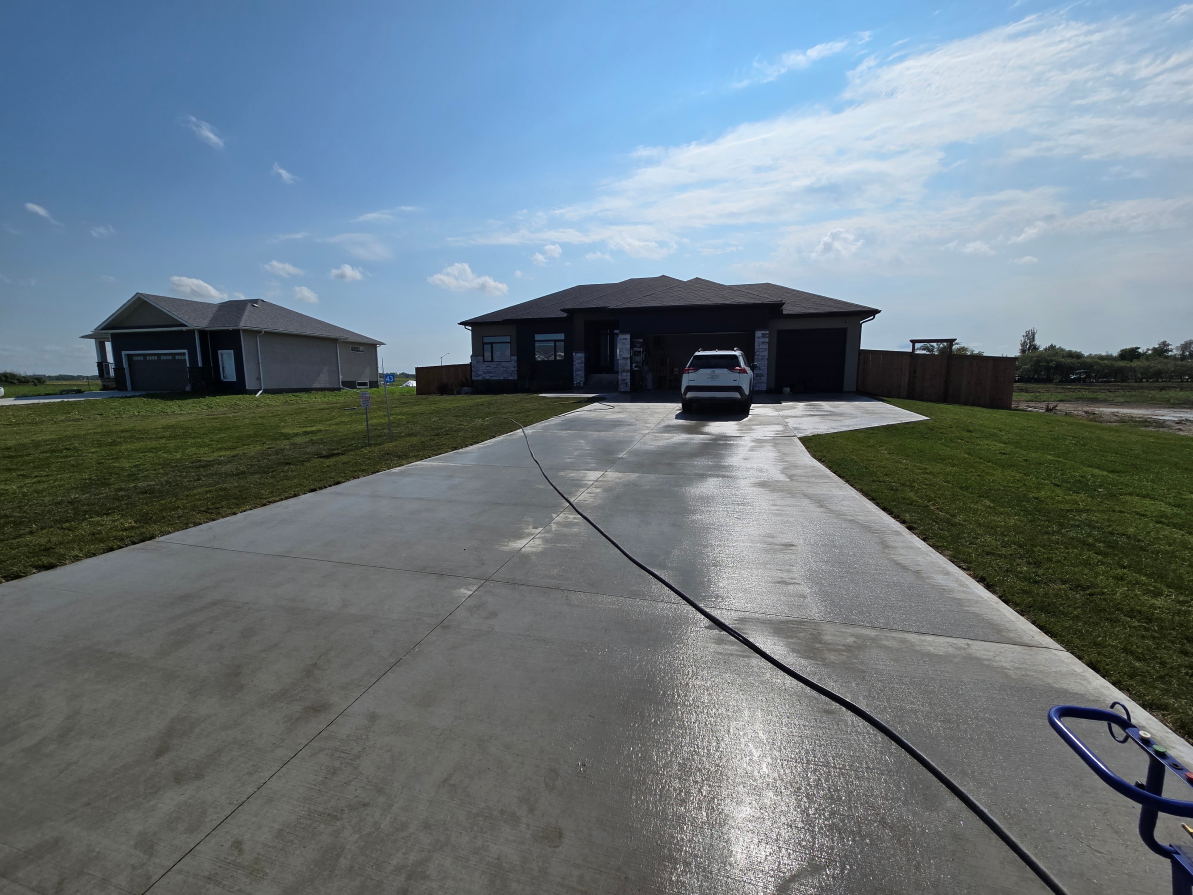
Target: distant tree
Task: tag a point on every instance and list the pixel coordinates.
(1028, 343)
(943, 348)
(1133, 353)
(1185, 350)
(1163, 349)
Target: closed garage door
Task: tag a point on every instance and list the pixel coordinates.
(158, 371)
(810, 360)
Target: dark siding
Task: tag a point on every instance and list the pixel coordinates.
(535, 375)
(747, 318)
(225, 340)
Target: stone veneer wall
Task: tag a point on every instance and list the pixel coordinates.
(578, 369)
(494, 369)
(761, 359)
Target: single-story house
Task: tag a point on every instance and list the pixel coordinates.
(158, 343)
(639, 333)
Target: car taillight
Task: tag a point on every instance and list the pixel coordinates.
(738, 370)
(690, 369)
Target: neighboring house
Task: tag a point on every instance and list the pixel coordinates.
(158, 343)
(639, 333)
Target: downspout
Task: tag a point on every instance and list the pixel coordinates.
(260, 366)
(339, 367)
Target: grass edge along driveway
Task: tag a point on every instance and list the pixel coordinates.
(82, 478)
(1085, 529)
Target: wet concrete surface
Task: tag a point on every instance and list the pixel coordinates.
(439, 679)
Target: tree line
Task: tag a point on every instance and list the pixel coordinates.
(1163, 362)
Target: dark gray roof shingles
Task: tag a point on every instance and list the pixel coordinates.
(663, 292)
(251, 313)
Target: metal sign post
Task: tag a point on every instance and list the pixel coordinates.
(365, 400)
(388, 380)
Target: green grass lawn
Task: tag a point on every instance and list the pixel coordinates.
(1175, 394)
(1085, 529)
(79, 478)
(49, 388)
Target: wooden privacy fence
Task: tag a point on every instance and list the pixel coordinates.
(443, 380)
(943, 378)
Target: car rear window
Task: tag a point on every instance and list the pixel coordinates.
(714, 361)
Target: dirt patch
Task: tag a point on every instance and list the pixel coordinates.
(1168, 419)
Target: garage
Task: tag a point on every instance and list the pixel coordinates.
(158, 371)
(810, 360)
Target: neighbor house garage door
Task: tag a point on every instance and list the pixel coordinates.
(810, 360)
(158, 371)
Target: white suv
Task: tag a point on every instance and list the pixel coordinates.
(717, 376)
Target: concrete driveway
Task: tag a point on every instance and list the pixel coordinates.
(438, 679)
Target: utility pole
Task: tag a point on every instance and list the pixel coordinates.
(442, 356)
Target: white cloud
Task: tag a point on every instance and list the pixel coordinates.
(519, 275)
(347, 272)
(41, 213)
(1026, 259)
(796, 59)
(286, 176)
(552, 251)
(282, 237)
(240, 296)
(538, 259)
(365, 246)
(203, 131)
(303, 294)
(837, 243)
(599, 256)
(460, 278)
(103, 231)
(385, 214)
(282, 269)
(188, 287)
(869, 162)
(977, 247)
(107, 278)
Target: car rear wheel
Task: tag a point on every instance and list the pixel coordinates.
(685, 405)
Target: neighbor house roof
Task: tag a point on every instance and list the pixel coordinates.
(248, 313)
(668, 292)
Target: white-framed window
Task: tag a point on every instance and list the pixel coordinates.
(548, 346)
(228, 366)
(495, 348)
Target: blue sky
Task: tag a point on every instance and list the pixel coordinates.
(971, 170)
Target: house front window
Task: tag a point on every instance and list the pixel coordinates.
(548, 346)
(496, 348)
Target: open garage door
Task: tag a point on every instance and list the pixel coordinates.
(810, 360)
(158, 371)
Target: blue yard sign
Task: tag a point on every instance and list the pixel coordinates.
(390, 377)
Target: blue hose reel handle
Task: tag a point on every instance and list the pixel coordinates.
(1114, 781)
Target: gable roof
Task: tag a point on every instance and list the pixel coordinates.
(248, 313)
(668, 292)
